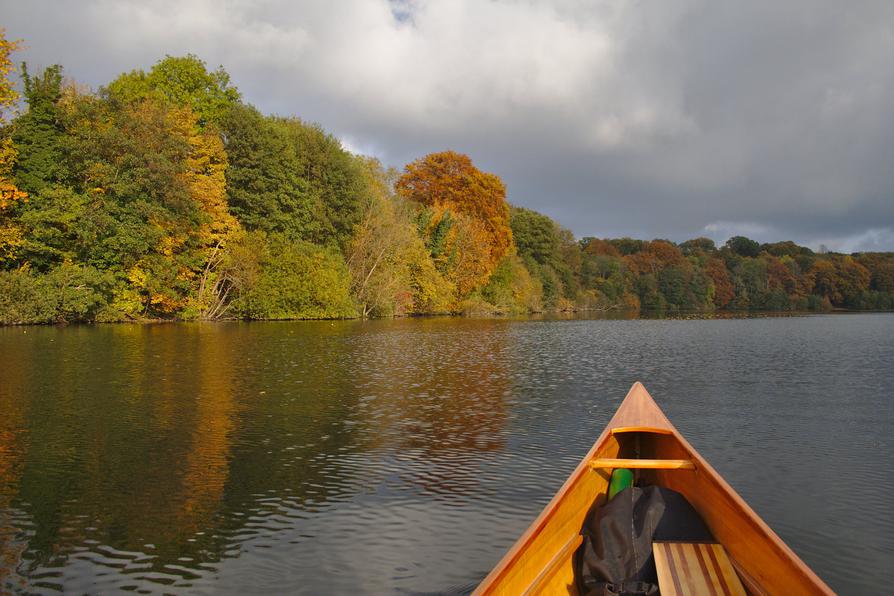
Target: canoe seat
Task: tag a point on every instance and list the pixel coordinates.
(694, 569)
(651, 464)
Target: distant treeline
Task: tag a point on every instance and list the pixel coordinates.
(165, 196)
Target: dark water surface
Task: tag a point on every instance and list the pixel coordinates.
(406, 456)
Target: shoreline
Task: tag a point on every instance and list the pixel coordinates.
(584, 314)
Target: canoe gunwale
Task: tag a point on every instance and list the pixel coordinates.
(638, 413)
(540, 522)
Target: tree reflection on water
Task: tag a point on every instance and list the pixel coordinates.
(149, 454)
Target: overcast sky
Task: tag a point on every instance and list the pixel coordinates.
(651, 118)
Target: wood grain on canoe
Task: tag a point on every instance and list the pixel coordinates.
(542, 562)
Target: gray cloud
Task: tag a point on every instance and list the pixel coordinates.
(663, 119)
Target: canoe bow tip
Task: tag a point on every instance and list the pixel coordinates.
(638, 391)
(640, 409)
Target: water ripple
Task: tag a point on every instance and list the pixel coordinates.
(407, 456)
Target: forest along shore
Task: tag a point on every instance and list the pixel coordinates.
(164, 196)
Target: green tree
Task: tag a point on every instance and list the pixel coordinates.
(336, 180)
(881, 268)
(750, 281)
(744, 247)
(672, 283)
(512, 289)
(298, 280)
(550, 252)
(265, 189)
(39, 134)
(292, 178)
(70, 292)
(60, 225)
(180, 81)
(627, 246)
(536, 235)
(22, 299)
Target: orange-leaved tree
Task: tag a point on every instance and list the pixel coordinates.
(451, 186)
(724, 290)
(655, 256)
(10, 235)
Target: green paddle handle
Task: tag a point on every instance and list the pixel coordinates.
(621, 478)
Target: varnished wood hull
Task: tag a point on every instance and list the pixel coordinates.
(541, 561)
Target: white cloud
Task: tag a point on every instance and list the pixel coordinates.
(872, 240)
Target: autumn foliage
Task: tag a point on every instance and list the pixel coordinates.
(724, 291)
(474, 204)
(10, 234)
(164, 196)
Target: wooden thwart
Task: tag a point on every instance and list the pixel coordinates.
(641, 429)
(650, 464)
(695, 569)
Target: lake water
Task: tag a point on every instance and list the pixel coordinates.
(406, 456)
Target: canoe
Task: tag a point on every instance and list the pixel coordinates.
(541, 561)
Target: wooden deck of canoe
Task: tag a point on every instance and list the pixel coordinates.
(541, 561)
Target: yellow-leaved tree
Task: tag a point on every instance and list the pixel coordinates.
(391, 271)
(219, 235)
(10, 235)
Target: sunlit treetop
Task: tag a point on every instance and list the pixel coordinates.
(9, 192)
(8, 95)
(449, 180)
(183, 81)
